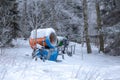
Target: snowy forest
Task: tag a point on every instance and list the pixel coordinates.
(93, 25)
(92, 21)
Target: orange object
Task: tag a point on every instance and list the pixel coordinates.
(39, 41)
(44, 37)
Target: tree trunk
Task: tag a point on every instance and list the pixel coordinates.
(86, 26)
(117, 3)
(54, 16)
(99, 27)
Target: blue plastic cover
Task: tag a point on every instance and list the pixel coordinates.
(44, 53)
(54, 54)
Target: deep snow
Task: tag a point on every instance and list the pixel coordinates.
(16, 64)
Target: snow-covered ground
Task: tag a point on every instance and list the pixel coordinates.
(16, 64)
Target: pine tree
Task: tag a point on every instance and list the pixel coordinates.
(14, 21)
(8, 21)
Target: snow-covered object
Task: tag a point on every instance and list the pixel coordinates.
(46, 54)
(60, 40)
(45, 37)
(42, 33)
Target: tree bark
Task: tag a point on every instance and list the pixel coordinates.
(86, 26)
(99, 27)
(117, 3)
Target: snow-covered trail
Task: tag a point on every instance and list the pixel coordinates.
(16, 64)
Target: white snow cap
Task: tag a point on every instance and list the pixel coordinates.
(42, 32)
(60, 38)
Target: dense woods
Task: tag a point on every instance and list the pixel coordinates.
(8, 21)
(70, 18)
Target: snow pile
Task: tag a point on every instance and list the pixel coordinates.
(42, 33)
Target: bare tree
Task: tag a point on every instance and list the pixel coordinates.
(85, 15)
(99, 27)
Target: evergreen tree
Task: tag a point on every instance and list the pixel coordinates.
(8, 21)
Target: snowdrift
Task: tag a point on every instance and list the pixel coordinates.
(45, 37)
